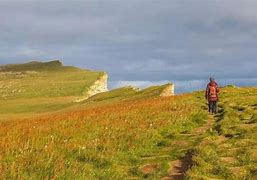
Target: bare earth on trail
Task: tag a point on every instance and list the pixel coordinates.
(179, 167)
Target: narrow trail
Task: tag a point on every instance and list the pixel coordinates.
(184, 143)
(179, 167)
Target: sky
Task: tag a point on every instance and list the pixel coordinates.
(138, 42)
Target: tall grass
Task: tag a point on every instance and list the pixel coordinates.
(99, 142)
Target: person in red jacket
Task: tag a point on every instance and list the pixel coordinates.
(211, 95)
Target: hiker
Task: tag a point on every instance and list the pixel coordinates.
(211, 95)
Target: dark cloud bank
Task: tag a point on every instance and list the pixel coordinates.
(139, 42)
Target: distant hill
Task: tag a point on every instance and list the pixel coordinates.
(132, 93)
(40, 87)
(43, 87)
(33, 66)
(45, 79)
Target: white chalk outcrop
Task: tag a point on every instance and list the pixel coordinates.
(99, 86)
(168, 90)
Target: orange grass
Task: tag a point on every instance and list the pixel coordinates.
(97, 142)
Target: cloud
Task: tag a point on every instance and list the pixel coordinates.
(144, 41)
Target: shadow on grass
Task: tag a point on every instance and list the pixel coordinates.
(221, 113)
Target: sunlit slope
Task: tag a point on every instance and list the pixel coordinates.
(122, 133)
(42, 87)
(38, 79)
(128, 93)
(37, 87)
(229, 150)
(106, 141)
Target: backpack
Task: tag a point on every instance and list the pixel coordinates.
(212, 91)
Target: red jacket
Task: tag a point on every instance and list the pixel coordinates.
(211, 93)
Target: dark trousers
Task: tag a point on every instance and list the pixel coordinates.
(213, 106)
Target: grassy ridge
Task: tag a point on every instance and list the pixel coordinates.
(37, 87)
(32, 66)
(229, 150)
(126, 93)
(34, 80)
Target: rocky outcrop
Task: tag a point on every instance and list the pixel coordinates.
(168, 90)
(99, 86)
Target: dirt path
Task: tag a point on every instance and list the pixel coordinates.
(179, 167)
(183, 144)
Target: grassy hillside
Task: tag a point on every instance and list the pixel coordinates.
(122, 134)
(106, 141)
(38, 79)
(145, 137)
(41, 87)
(126, 94)
(32, 66)
(229, 148)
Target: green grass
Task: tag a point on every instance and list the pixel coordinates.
(230, 152)
(126, 94)
(33, 66)
(107, 141)
(104, 137)
(45, 83)
(112, 135)
(38, 87)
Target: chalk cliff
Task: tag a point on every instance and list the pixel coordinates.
(99, 86)
(168, 90)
